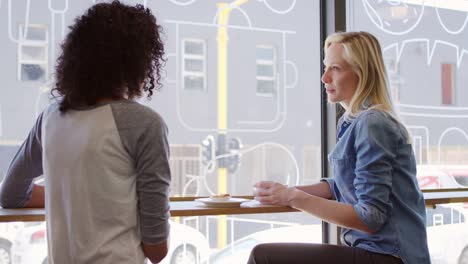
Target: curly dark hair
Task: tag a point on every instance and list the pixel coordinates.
(112, 51)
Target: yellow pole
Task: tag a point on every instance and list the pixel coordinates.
(222, 39)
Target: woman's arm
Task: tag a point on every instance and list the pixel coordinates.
(321, 189)
(376, 148)
(15, 190)
(37, 197)
(310, 202)
(328, 210)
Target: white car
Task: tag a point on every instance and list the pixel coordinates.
(8, 233)
(439, 177)
(239, 251)
(447, 233)
(187, 246)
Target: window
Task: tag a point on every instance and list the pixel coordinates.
(448, 85)
(33, 53)
(280, 138)
(266, 70)
(194, 65)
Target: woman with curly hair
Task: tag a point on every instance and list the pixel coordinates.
(105, 157)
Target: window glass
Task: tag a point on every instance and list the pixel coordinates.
(33, 53)
(32, 72)
(212, 80)
(194, 47)
(194, 65)
(265, 53)
(265, 70)
(425, 48)
(193, 82)
(35, 32)
(265, 87)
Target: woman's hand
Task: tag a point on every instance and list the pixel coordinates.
(272, 193)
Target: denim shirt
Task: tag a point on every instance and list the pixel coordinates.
(375, 171)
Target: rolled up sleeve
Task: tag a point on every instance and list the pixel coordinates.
(376, 146)
(331, 185)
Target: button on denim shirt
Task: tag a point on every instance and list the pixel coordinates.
(375, 171)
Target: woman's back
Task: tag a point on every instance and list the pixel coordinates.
(93, 167)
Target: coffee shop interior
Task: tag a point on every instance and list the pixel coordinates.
(243, 100)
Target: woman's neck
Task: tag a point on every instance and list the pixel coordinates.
(108, 100)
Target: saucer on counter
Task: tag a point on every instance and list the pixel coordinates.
(231, 202)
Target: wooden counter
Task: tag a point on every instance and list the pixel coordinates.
(179, 207)
(185, 206)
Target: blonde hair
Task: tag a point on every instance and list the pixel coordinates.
(363, 52)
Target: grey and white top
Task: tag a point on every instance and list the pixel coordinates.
(107, 181)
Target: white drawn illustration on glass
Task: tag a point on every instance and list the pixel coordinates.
(254, 126)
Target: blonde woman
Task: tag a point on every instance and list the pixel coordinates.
(374, 194)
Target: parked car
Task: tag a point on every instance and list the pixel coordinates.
(447, 233)
(8, 233)
(187, 246)
(446, 227)
(239, 251)
(437, 177)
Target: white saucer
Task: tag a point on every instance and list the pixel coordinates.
(233, 202)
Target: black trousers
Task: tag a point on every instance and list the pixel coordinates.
(296, 253)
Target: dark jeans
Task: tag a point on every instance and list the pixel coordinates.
(292, 253)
